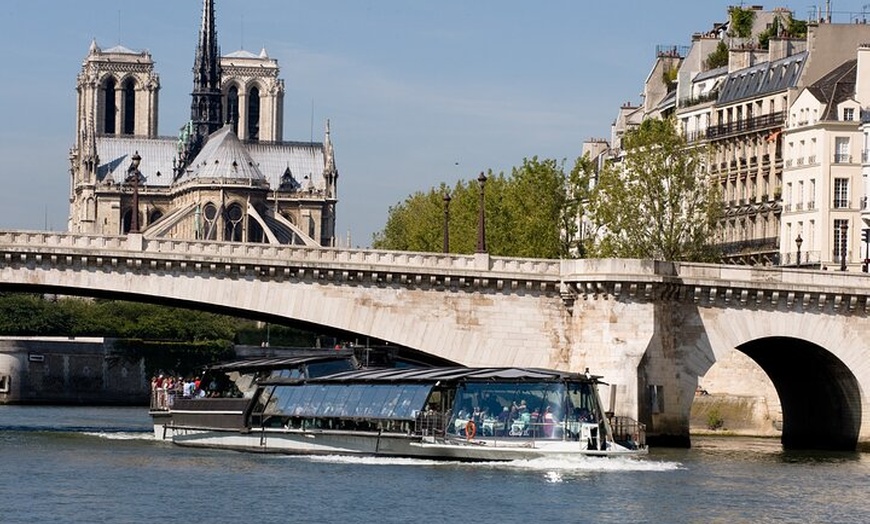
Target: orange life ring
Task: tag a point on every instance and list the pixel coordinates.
(470, 430)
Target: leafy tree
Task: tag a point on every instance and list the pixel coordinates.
(719, 56)
(524, 215)
(742, 19)
(656, 203)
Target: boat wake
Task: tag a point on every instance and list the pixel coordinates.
(121, 435)
(553, 467)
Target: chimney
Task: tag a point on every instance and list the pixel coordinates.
(862, 81)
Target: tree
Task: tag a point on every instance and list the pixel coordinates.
(656, 203)
(719, 56)
(524, 215)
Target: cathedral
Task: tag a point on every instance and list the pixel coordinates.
(228, 175)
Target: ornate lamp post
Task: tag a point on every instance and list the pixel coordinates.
(446, 222)
(798, 241)
(844, 228)
(133, 175)
(481, 217)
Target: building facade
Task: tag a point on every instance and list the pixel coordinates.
(781, 125)
(228, 175)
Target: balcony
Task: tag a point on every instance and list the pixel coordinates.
(842, 158)
(842, 203)
(700, 99)
(755, 124)
(811, 159)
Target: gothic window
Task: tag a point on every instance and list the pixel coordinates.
(90, 209)
(129, 107)
(233, 227)
(254, 114)
(233, 108)
(209, 213)
(109, 108)
(126, 223)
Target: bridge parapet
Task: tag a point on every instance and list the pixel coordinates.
(266, 261)
(714, 285)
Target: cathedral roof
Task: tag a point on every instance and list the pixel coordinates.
(120, 50)
(305, 160)
(223, 156)
(241, 53)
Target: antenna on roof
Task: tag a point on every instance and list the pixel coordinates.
(119, 27)
(243, 32)
(311, 132)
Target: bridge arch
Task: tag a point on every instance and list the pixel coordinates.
(819, 394)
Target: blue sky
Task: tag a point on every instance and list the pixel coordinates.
(418, 93)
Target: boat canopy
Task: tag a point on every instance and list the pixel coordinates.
(433, 375)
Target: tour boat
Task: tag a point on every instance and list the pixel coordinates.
(453, 413)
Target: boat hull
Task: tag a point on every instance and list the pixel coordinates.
(329, 442)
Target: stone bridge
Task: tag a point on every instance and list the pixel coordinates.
(650, 328)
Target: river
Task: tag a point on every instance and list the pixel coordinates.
(95, 465)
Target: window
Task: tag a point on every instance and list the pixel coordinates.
(840, 239)
(841, 150)
(253, 114)
(129, 107)
(5, 382)
(233, 108)
(849, 114)
(109, 108)
(841, 193)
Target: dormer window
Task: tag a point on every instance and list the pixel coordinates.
(848, 114)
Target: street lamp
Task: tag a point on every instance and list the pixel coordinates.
(446, 222)
(133, 175)
(798, 241)
(481, 218)
(844, 228)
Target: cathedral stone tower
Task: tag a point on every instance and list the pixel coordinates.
(228, 175)
(253, 95)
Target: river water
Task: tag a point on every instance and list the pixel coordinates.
(99, 465)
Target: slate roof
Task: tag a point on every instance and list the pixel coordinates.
(304, 159)
(762, 79)
(223, 156)
(835, 87)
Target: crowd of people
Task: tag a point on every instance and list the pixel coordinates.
(165, 389)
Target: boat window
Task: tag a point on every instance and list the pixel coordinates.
(516, 409)
(321, 369)
(375, 401)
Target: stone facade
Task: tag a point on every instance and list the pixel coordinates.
(55, 370)
(253, 187)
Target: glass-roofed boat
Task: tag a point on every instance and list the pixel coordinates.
(454, 413)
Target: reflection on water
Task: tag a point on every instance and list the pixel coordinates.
(114, 471)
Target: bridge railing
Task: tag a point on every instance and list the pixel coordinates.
(235, 252)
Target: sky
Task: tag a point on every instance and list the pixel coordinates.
(418, 93)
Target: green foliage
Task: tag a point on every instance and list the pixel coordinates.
(177, 358)
(669, 77)
(771, 32)
(796, 28)
(524, 212)
(719, 56)
(742, 19)
(26, 314)
(715, 420)
(656, 204)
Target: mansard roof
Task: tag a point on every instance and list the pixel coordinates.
(835, 87)
(762, 79)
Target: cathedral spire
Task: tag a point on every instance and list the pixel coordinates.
(205, 106)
